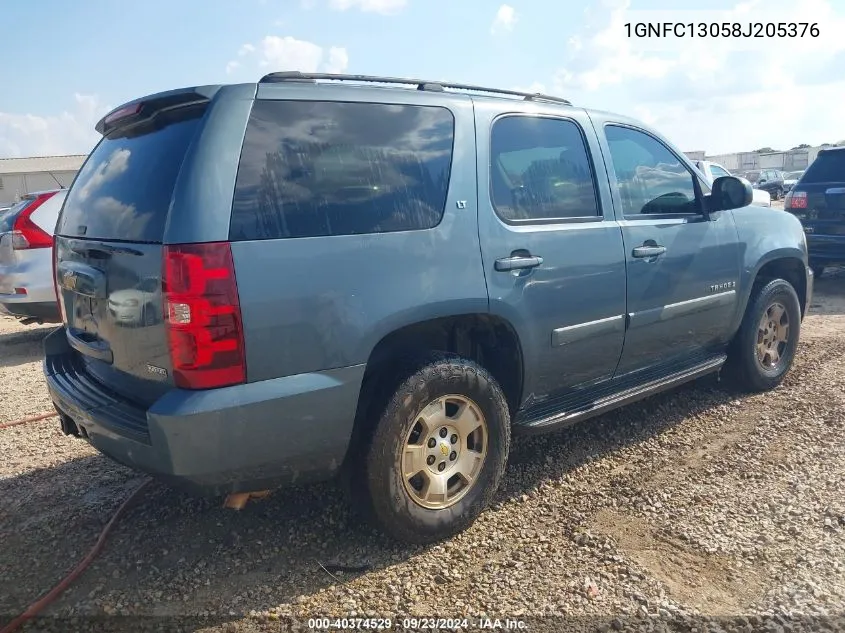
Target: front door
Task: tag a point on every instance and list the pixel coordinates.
(552, 250)
(682, 265)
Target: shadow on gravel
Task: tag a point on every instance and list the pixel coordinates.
(17, 348)
(174, 554)
(829, 292)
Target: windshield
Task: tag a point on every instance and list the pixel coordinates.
(752, 176)
(792, 175)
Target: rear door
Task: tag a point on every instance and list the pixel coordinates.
(818, 200)
(109, 251)
(552, 251)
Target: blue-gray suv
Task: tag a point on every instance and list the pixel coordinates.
(385, 278)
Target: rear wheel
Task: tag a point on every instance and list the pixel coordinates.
(438, 451)
(768, 337)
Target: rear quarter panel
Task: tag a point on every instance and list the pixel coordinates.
(319, 303)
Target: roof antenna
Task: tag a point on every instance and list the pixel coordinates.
(61, 186)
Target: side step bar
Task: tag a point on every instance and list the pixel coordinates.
(566, 418)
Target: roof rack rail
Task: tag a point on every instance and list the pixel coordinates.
(421, 84)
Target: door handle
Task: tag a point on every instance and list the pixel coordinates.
(648, 251)
(518, 262)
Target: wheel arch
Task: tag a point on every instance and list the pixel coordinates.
(489, 340)
(787, 265)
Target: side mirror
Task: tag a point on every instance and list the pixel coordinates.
(730, 192)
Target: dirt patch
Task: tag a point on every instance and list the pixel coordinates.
(697, 501)
(713, 584)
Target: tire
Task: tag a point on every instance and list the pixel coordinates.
(409, 420)
(818, 270)
(750, 371)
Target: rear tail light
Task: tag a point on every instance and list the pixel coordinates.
(203, 316)
(795, 200)
(26, 234)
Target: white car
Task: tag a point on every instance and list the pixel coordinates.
(135, 306)
(790, 178)
(26, 262)
(711, 171)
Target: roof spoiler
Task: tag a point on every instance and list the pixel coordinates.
(147, 107)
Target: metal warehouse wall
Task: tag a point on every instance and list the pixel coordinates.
(14, 186)
(792, 160)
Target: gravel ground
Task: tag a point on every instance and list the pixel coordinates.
(701, 509)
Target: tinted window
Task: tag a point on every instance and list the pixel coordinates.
(828, 167)
(718, 172)
(8, 217)
(540, 170)
(124, 189)
(326, 168)
(650, 178)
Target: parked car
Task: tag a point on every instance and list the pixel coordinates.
(388, 282)
(790, 178)
(818, 200)
(26, 239)
(769, 180)
(713, 170)
(136, 305)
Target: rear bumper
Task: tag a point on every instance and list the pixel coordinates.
(244, 438)
(33, 270)
(20, 306)
(826, 249)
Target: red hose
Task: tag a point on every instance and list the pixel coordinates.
(36, 607)
(32, 418)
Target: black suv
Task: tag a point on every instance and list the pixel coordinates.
(818, 200)
(770, 180)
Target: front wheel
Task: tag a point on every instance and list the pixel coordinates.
(767, 340)
(438, 451)
(818, 270)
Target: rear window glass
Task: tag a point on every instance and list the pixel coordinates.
(828, 167)
(8, 217)
(328, 168)
(124, 189)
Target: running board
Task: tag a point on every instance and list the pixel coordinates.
(632, 394)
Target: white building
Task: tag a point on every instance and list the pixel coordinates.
(20, 176)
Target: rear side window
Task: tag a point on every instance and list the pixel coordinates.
(540, 170)
(328, 168)
(123, 191)
(718, 172)
(828, 167)
(8, 217)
